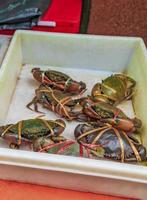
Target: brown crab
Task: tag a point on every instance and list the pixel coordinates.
(104, 112)
(59, 80)
(115, 143)
(62, 146)
(55, 100)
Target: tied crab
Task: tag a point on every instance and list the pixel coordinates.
(26, 131)
(59, 80)
(114, 89)
(62, 146)
(55, 100)
(106, 113)
(115, 144)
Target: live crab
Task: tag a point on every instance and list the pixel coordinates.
(59, 80)
(114, 89)
(26, 131)
(115, 144)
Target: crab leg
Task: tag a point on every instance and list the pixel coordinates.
(133, 148)
(34, 102)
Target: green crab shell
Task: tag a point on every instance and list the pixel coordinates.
(42, 142)
(97, 95)
(56, 76)
(105, 110)
(114, 88)
(34, 128)
(128, 80)
(62, 147)
(118, 87)
(71, 149)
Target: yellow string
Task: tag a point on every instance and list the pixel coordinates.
(51, 91)
(99, 135)
(4, 132)
(89, 132)
(121, 144)
(65, 100)
(48, 126)
(133, 147)
(19, 132)
(58, 123)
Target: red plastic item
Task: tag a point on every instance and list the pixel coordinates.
(12, 190)
(61, 16)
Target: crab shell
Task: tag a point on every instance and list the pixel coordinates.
(59, 81)
(114, 89)
(64, 104)
(59, 146)
(62, 146)
(110, 114)
(116, 144)
(26, 131)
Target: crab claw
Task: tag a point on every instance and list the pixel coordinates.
(75, 87)
(60, 126)
(37, 74)
(1, 130)
(126, 125)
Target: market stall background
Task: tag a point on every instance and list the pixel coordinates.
(123, 18)
(100, 17)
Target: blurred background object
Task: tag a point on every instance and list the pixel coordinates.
(121, 17)
(62, 16)
(18, 14)
(55, 16)
(100, 17)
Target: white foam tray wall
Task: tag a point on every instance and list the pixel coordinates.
(90, 58)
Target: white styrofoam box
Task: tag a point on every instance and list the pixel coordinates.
(4, 43)
(87, 55)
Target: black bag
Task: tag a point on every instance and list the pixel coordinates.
(20, 11)
(21, 25)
